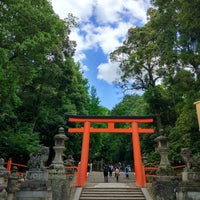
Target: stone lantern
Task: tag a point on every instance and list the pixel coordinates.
(57, 171)
(59, 148)
(163, 150)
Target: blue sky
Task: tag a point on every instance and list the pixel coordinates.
(103, 25)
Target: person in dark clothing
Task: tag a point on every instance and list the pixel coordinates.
(110, 170)
(105, 173)
(127, 172)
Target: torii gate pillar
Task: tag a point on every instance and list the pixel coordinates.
(82, 175)
(139, 167)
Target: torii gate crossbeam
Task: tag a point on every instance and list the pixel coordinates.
(134, 129)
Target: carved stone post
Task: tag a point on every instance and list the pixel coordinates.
(13, 183)
(36, 184)
(189, 187)
(68, 163)
(3, 180)
(57, 169)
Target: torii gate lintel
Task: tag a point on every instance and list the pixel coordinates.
(134, 129)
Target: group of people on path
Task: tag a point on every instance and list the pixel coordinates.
(109, 169)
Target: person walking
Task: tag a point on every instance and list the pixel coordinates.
(105, 173)
(127, 172)
(110, 170)
(90, 167)
(117, 174)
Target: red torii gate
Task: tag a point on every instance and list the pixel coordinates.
(134, 129)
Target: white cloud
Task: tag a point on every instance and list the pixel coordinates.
(107, 38)
(108, 11)
(103, 24)
(82, 9)
(84, 68)
(110, 38)
(111, 11)
(108, 72)
(137, 9)
(79, 56)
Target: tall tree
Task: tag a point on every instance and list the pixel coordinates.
(138, 59)
(176, 23)
(94, 107)
(39, 79)
(180, 18)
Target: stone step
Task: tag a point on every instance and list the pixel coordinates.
(112, 193)
(132, 189)
(112, 198)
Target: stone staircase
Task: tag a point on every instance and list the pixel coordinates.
(110, 193)
(125, 189)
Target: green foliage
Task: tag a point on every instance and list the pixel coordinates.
(162, 58)
(138, 59)
(130, 105)
(40, 81)
(19, 144)
(113, 149)
(152, 158)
